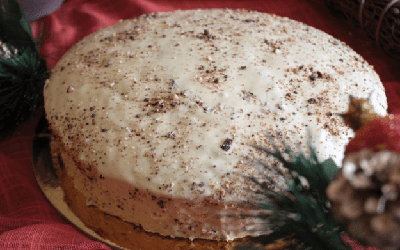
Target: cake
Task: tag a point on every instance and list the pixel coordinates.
(156, 120)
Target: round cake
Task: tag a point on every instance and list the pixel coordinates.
(156, 120)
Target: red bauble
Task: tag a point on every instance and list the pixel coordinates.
(381, 133)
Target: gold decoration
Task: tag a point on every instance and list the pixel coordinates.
(360, 113)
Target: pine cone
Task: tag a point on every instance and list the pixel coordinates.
(7, 52)
(365, 197)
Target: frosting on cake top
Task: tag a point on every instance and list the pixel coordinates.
(174, 103)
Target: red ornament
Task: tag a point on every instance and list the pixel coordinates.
(381, 133)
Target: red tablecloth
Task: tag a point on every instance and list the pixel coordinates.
(27, 220)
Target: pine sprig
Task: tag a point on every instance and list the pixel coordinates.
(301, 210)
(22, 71)
(15, 28)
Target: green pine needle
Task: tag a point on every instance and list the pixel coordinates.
(14, 26)
(22, 71)
(302, 210)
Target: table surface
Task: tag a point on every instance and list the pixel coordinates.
(27, 219)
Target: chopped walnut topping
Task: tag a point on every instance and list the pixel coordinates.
(70, 89)
(227, 144)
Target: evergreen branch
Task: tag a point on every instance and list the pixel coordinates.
(21, 84)
(302, 209)
(14, 26)
(22, 71)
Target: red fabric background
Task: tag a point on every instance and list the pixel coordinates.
(27, 220)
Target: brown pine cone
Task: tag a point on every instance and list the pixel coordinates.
(365, 197)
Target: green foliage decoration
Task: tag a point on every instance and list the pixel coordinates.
(302, 210)
(22, 70)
